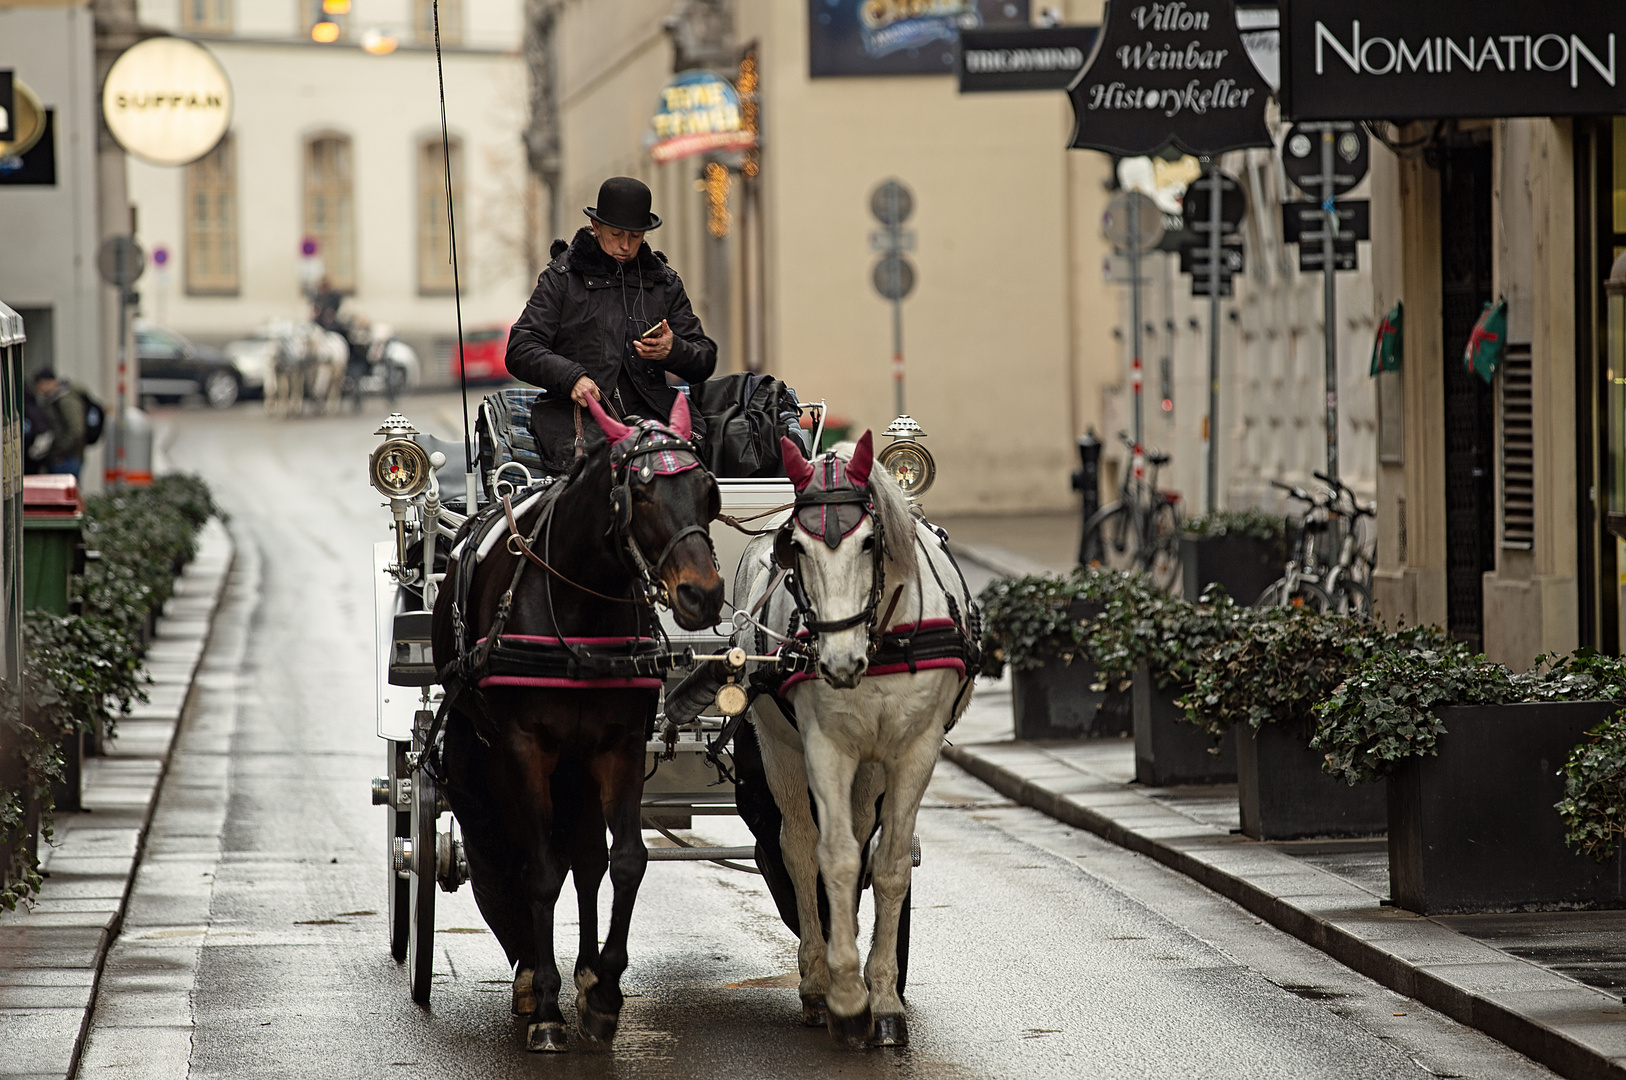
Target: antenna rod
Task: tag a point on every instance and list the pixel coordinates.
(457, 291)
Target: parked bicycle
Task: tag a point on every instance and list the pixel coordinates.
(1314, 577)
(1141, 531)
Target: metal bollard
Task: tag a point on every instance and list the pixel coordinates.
(1087, 479)
(130, 453)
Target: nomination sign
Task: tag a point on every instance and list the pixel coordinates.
(1169, 73)
(1402, 60)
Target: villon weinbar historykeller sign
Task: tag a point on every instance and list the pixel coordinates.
(1169, 73)
(1404, 60)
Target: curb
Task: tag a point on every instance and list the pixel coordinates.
(52, 954)
(1575, 1030)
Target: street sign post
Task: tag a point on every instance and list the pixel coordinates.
(1340, 164)
(1214, 207)
(1134, 224)
(121, 261)
(894, 276)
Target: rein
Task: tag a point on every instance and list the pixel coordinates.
(518, 545)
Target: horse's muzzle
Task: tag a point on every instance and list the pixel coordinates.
(843, 676)
(696, 606)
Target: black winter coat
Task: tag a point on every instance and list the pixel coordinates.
(581, 320)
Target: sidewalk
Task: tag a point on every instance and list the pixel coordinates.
(51, 956)
(1547, 984)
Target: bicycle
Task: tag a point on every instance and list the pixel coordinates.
(1141, 531)
(1340, 585)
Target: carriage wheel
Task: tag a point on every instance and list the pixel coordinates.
(421, 941)
(399, 823)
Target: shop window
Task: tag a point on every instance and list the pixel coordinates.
(451, 21)
(434, 233)
(329, 207)
(1518, 450)
(211, 222)
(206, 16)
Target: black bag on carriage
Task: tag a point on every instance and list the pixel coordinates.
(746, 413)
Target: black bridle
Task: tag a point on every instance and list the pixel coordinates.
(629, 458)
(786, 555)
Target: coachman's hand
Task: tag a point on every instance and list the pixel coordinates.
(585, 388)
(658, 347)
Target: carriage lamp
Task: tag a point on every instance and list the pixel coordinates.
(399, 468)
(910, 463)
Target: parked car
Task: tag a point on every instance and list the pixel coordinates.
(171, 368)
(484, 355)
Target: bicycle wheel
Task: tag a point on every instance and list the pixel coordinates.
(1300, 594)
(1159, 556)
(1109, 539)
(1350, 597)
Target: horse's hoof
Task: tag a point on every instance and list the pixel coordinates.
(546, 1038)
(852, 1030)
(890, 1031)
(814, 1012)
(524, 993)
(600, 1027)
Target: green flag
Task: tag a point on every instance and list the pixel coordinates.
(1390, 345)
(1487, 345)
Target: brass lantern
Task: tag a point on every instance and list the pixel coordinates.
(909, 463)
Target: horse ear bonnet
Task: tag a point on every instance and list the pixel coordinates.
(833, 519)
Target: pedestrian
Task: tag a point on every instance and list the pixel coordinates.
(36, 434)
(325, 305)
(64, 409)
(609, 318)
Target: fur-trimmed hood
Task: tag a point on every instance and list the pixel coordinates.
(587, 257)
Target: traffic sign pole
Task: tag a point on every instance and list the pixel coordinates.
(1215, 189)
(1329, 277)
(895, 224)
(1134, 307)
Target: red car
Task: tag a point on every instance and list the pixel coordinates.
(483, 355)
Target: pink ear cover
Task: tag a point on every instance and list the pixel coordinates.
(679, 421)
(863, 460)
(614, 430)
(796, 466)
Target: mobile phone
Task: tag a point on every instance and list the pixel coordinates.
(653, 331)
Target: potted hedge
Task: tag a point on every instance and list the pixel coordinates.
(1155, 643)
(1038, 625)
(1264, 683)
(1472, 754)
(1241, 551)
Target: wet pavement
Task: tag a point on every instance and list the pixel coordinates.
(254, 944)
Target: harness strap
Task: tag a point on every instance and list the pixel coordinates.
(518, 545)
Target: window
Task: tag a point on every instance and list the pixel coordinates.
(451, 21)
(323, 20)
(206, 16)
(329, 207)
(211, 222)
(434, 237)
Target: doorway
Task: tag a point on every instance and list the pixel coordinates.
(1466, 286)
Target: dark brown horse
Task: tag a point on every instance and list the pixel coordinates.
(538, 766)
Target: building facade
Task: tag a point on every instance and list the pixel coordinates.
(335, 145)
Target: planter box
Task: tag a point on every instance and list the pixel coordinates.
(1474, 829)
(1284, 795)
(1170, 751)
(1242, 564)
(1056, 702)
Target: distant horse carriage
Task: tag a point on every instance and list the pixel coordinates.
(307, 364)
(546, 643)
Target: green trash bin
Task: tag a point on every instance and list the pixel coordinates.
(53, 550)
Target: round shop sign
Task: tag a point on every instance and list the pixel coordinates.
(167, 100)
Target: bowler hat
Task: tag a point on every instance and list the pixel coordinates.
(623, 203)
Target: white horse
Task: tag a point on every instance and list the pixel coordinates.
(854, 733)
(309, 362)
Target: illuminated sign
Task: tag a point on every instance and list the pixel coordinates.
(699, 113)
(167, 100)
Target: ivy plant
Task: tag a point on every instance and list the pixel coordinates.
(1255, 523)
(1594, 802)
(1028, 622)
(1171, 635)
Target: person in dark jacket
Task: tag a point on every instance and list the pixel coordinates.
(586, 331)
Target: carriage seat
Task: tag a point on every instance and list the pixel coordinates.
(503, 430)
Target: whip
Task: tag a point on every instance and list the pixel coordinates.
(471, 487)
